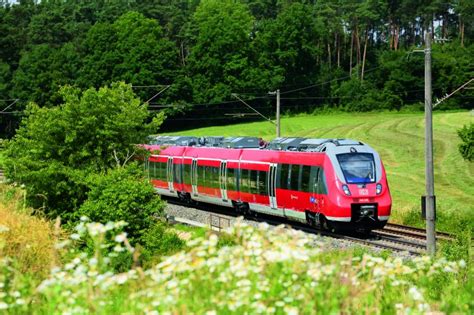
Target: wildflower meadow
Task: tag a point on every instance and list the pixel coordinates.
(265, 270)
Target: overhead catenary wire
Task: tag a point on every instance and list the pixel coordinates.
(10, 105)
(439, 101)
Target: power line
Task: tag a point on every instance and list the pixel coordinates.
(323, 83)
(11, 104)
(154, 96)
(452, 93)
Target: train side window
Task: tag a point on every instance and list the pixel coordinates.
(211, 181)
(305, 178)
(294, 174)
(253, 181)
(313, 179)
(262, 183)
(283, 174)
(187, 174)
(322, 187)
(157, 170)
(215, 177)
(244, 180)
(238, 175)
(207, 176)
(163, 170)
(151, 170)
(231, 179)
(177, 173)
(201, 176)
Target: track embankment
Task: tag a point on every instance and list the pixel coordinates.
(402, 240)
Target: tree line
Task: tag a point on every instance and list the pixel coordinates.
(187, 57)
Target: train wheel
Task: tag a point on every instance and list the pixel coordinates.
(242, 208)
(246, 210)
(326, 225)
(310, 220)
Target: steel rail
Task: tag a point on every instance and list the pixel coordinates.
(415, 232)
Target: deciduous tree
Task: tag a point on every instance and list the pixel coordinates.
(55, 149)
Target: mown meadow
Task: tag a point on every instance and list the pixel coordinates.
(399, 138)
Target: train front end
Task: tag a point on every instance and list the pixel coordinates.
(359, 195)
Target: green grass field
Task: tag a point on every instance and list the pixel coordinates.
(399, 138)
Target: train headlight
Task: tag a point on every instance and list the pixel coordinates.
(346, 190)
(378, 189)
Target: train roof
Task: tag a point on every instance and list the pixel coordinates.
(277, 144)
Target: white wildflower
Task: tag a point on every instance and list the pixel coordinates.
(399, 306)
(3, 306)
(244, 283)
(93, 261)
(423, 307)
(121, 278)
(121, 237)
(448, 269)
(415, 294)
(4, 228)
(75, 236)
(20, 302)
(118, 248)
(291, 310)
(62, 244)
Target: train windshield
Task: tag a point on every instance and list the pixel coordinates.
(358, 168)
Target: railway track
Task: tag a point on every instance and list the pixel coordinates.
(394, 237)
(412, 232)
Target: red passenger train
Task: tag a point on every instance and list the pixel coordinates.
(333, 183)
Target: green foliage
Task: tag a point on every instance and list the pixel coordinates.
(291, 42)
(206, 50)
(466, 147)
(42, 71)
(132, 49)
(123, 194)
(220, 60)
(56, 148)
(159, 241)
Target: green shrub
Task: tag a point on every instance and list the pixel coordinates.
(159, 241)
(467, 145)
(123, 194)
(55, 149)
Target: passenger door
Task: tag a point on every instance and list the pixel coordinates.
(223, 180)
(315, 197)
(272, 184)
(194, 177)
(169, 174)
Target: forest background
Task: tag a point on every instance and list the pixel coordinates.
(350, 55)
